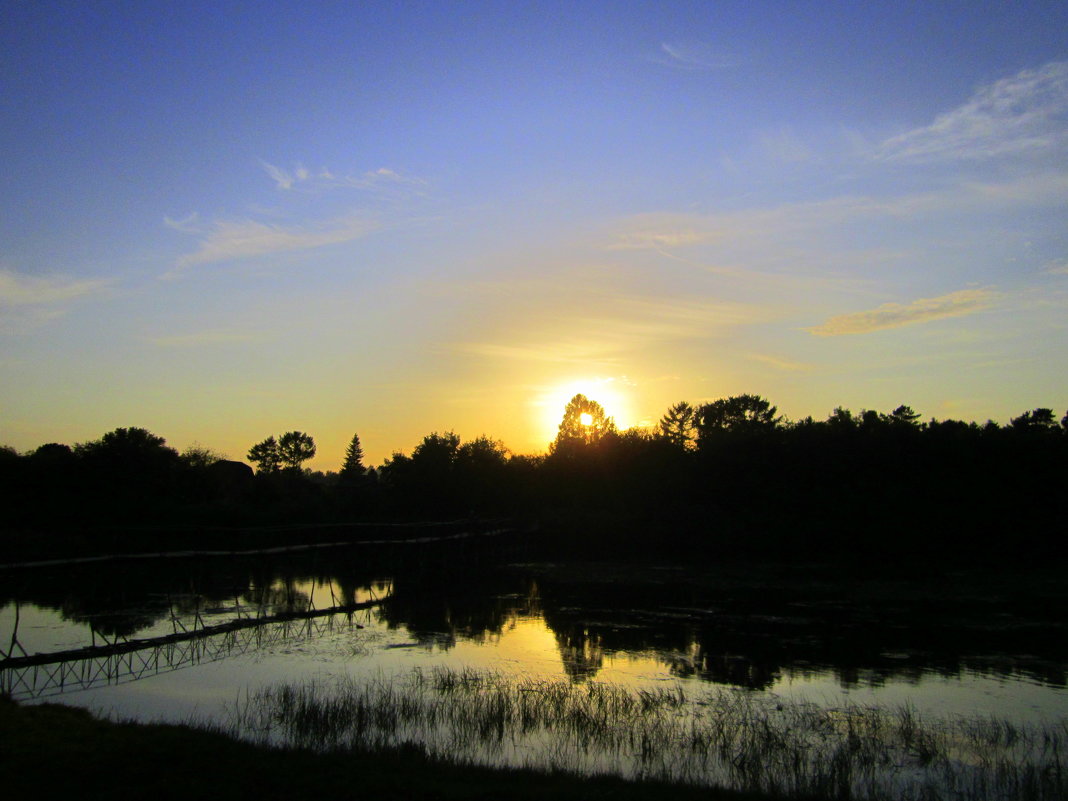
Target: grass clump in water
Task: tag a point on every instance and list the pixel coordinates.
(730, 739)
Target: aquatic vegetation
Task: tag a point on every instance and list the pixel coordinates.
(718, 737)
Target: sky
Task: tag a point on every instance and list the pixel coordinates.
(222, 221)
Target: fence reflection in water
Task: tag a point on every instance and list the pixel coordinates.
(109, 667)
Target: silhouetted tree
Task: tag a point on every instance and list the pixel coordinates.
(198, 456)
(53, 453)
(678, 425)
(584, 423)
(904, 415)
(290, 450)
(129, 474)
(481, 473)
(353, 467)
(841, 419)
(266, 456)
(128, 446)
(426, 479)
(1036, 420)
(295, 447)
(871, 421)
(482, 454)
(737, 414)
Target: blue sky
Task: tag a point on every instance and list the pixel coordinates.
(227, 220)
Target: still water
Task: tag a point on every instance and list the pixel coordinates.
(949, 645)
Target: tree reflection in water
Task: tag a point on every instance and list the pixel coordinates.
(738, 627)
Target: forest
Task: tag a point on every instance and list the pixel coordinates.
(726, 477)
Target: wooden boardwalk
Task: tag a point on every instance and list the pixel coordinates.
(42, 675)
(127, 646)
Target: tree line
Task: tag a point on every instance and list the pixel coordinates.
(732, 474)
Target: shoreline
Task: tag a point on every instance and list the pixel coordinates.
(101, 758)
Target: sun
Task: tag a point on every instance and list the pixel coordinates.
(612, 393)
(586, 419)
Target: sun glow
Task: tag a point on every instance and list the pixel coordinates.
(586, 419)
(612, 393)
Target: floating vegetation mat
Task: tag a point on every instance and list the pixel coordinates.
(720, 737)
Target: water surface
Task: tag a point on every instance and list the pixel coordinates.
(957, 645)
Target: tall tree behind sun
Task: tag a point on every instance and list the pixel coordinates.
(584, 423)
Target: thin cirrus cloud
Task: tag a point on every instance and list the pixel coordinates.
(26, 290)
(663, 231)
(300, 176)
(1022, 114)
(692, 57)
(230, 241)
(896, 315)
(653, 238)
(625, 324)
(284, 179)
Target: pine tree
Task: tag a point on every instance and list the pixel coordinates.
(353, 467)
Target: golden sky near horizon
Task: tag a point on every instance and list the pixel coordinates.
(222, 224)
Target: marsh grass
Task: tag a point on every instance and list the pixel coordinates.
(727, 738)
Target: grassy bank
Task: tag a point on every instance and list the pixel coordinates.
(59, 751)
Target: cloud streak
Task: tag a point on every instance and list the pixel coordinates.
(691, 57)
(231, 241)
(896, 315)
(1019, 115)
(27, 301)
(26, 290)
(288, 180)
(607, 327)
(663, 231)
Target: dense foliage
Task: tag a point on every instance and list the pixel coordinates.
(730, 474)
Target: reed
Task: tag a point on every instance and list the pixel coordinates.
(719, 737)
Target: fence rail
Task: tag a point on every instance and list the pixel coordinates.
(42, 675)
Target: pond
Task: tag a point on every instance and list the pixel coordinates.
(197, 639)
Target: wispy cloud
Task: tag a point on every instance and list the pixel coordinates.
(662, 231)
(300, 176)
(604, 328)
(692, 57)
(1056, 267)
(895, 315)
(659, 235)
(17, 289)
(636, 320)
(27, 301)
(281, 178)
(187, 225)
(1017, 115)
(228, 241)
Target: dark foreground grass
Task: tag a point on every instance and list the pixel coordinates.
(58, 751)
